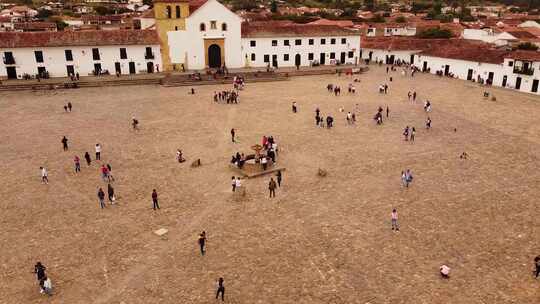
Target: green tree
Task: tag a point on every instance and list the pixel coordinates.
(369, 5)
(527, 46)
(44, 14)
(434, 33)
(377, 18)
(273, 7)
(101, 10)
(401, 19)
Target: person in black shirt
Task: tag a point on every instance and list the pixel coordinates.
(65, 143)
(220, 289)
(88, 159)
(202, 242)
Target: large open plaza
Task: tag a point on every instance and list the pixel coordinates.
(322, 239)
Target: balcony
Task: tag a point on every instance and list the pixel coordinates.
(9, 60)
(523, 71)
(149, 56)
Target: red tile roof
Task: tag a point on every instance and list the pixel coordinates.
(195, 5)
(524, 55)
(27, 26)
(78, 38)
(341, 23)
(270, 29)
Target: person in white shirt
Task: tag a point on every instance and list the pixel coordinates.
(44, 175)
(395, 225)
(445, 271)
(98, 151)
(238, 183)
(264, 162)
(47, 286)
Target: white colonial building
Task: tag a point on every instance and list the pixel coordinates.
(60, 54)
(462, 59)
(214, 37)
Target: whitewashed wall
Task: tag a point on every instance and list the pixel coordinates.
(189, 44)
(54, 59)
(381, 54)
(264, 47)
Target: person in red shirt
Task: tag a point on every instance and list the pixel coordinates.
(77, 161)
(105, 173)
(155, 200)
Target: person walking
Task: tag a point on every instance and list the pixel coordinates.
(109, 173)
(233, 133)
(44, 175)
(220, 289)
(272, 187)
(278, 177)
(202, 242)
(46, 286)
(98, 151)
(65, 143)
(387, 111)
(233, 183)
(77, 161)
(413, 133)
(155, 200)
(87, 157)
(39, 270)
(428, 123)
(110, 192)
(395, 225)
(101, 197)
(294, 108)
(69, 105)
(105, 174)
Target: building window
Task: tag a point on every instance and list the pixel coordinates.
(202, 27)
(332, 55)
(323, 41)
(123, 53)
(343, 40)
(311, 41)
(274, 42)
(69, 55)
(224, 27)
(285, 57)
(213, 25)
(8, 58)
(168, 11)
(39, 56)
(178, 11)
(351, 54)
(286, 42)
(266, 58)
(298, 42)
(252, 56)
(510, 63)
(252, 43)
(95, 54)
(310, 56)
(176, 28)
(333, 41)
(148, 54)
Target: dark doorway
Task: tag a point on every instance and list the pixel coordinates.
(274, 61)
(97, 68)
(424, 68)
(297, 60)
(469, 74)
(70, 70)
(370, 55)
(41, 71)
(342, 57)
(518, 83)
(411, 61)
(391, 59)
(505, 79)
(535, 86)
(446, 70)
(490, 78)
(11, 72)
(117, 68)
(322, 58)
(132, 68)
(360, 54)
(150, 67)
(214, 56)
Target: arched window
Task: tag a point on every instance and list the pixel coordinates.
(224, 26)
(202, 27)
(177, 11)
(169, 11)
